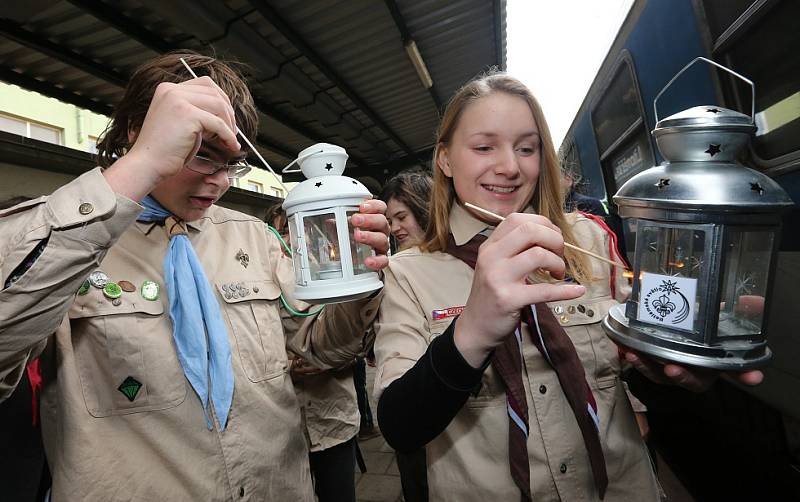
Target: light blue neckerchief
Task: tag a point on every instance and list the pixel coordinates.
(194, 311)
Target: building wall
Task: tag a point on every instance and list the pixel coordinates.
(79, 128)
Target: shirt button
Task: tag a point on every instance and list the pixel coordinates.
(241, 491)
(563, 468)
(542, 389)
(85, 208)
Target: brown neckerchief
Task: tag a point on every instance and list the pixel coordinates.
(555, 346)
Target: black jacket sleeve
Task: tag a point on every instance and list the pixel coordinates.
(418, 406)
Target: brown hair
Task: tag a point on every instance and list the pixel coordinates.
(547, 196)
(412, 188)
(274, 212)
(131, 110)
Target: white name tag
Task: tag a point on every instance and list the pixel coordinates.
(668, 301)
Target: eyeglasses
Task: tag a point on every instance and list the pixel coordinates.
(204, 165)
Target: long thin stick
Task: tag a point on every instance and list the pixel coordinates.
(566, 244)
(239, 131)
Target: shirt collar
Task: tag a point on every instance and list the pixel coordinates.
(464, 226)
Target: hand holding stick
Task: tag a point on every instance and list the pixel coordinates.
(566, 244)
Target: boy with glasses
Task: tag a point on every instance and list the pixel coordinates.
(161, 330)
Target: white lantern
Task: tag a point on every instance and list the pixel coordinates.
(328, 262)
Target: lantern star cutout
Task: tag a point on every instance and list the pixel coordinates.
(328, 166)
(712, 110)
(663, 182)
(756, 187)
(713, 149)
(318, 184)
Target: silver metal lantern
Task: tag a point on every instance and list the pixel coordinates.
(328, 262)
(707, 233)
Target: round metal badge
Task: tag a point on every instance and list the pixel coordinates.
(150, 290)
(112, 290)
(98, 279)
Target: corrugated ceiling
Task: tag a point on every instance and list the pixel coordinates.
(334, 71)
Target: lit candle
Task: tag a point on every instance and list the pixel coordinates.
(331, 269)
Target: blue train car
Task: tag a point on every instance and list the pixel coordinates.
(729, 443)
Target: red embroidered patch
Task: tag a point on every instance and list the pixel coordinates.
(448, 312)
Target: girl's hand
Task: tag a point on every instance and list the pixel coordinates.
(372, 229)
(519, 246)
(689, 377)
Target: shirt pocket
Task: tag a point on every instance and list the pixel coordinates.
(581, 320)
(125, 355)
(253, 311)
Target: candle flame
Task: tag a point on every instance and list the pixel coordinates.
(332, 253)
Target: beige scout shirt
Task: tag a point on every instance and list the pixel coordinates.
(330, 409)
(469, 460)
(103, 446)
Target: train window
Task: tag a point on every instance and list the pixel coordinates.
(776, 74)
(620, 128)
(617, 109)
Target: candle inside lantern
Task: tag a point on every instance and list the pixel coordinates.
(332, 268)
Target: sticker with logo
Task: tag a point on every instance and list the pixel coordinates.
(446, 312)
(668, 301)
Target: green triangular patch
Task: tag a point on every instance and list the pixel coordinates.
(130, 387)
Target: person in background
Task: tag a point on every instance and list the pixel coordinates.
(328, 404)
(489, 346)
(157, 312)
(407, 196)
(574, 200)
(23, 468)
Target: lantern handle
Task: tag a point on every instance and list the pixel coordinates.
(748, 81)
(286, 169)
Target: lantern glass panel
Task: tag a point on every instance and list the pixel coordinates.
(744, 281)
(676, 252)
(358, 250)
(322, 241)
(297, 251)
(670, 260)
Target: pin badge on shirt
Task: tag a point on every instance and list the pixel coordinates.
(150, 290)
(112, 291)
(84, 289)
(127, 286)
(243, 258)
(98, 279)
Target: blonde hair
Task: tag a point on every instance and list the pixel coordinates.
(547, 198)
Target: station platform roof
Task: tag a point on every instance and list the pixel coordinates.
(321, 71)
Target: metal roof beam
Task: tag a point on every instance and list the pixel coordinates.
(123, 24)
(271, 15)
(405, 37)
(31, 40)
(112, 17)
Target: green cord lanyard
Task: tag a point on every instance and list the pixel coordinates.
(283, 300)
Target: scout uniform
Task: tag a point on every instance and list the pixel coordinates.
(330, 409)
(469, 461)
(120, 421)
